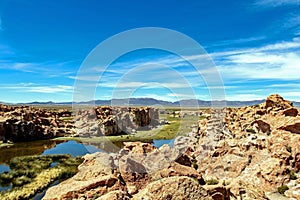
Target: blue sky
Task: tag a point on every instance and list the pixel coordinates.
(255, 45)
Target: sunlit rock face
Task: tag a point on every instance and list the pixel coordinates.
(107, 120)
(255, 149)
(139, 170)
(24, 123)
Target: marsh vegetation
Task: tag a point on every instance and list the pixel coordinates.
(29, 175)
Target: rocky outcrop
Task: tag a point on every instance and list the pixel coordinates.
(23, 123)
(293, 128)
(173, 188)
(106, 120)
(94, 179)
(276, 102)
(235, 153)
(254, 149)
(139, 169)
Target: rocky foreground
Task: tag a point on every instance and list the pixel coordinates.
(24, 123)
(237, 153)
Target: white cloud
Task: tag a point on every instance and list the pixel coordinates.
(285, 85)
(284, 66)
(256, 58)
(236, 41)
(283, 45)
(244, 97)
(85, 78)
(276, 3)
(153, 85)
(30, 87)
(51, 69)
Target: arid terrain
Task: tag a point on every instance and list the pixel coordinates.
(251, 152)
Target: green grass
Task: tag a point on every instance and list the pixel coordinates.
(250, 130)
(31, 174)
(178, 126)
(293, 175)
(212, 182)
(2, 145)
(289, 148)
(282, 189)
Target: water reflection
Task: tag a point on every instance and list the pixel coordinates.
(26, 149)
(71, 147)
(4, 188)
(48, 147)
(4, 168)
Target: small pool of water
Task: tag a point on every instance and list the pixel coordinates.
(72, 148)
(159, 143)
(4, 168)
(4, 188)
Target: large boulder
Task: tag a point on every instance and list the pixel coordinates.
(177, 188)
(293, 128)
(95, 177)
(276, 101)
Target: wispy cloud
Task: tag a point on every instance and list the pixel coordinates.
(236, 41)
(291, 23)
(35, 88)
(1, 28)
(49, 68)
(150, 85)
(262, 66)
(276, 3)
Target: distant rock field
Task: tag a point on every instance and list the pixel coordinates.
(24, 123)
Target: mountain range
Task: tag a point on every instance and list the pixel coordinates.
(155, 102)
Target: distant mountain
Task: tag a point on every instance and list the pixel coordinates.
(296, 104)
(153, 102)
(41, 103)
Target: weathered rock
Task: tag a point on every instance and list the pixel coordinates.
(115, 120)
(115, 195)
(246, 152)
(293, 128)
(176, 169)
(256, 153)
(94, 178)
(292, 112)
(23, 123)
(276, 101)
(293, 192)
(173, 188)
(262, 126)
(218, 192)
